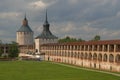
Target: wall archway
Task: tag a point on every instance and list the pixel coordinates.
(90, 56)
(94, 56)
(85, 56)
(78, 55)
(100, 57)
(111, 58)
(82, 55)
(105, 58)
(117, 58)
(72, 54)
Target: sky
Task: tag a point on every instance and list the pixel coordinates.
(76, 18)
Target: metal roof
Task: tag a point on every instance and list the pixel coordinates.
(46, 35)
(25, 29)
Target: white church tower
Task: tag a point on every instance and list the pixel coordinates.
(25, 34)
(45, 37)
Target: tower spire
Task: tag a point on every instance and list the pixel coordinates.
(46, 24)
(25, 16)
(46, 20)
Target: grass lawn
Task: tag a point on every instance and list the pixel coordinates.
(31, 70)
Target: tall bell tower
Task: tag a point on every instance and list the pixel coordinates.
(46, 36)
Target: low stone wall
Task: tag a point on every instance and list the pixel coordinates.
(7, 59)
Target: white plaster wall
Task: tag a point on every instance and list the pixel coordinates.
(25, 38)
(37, 44)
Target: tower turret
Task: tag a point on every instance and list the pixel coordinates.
(46, 36)
(46, 33)
(25, 33)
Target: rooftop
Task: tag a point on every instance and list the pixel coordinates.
(101, 42)
(25, 27)
(46, 33)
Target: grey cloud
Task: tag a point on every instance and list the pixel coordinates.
(83, 18)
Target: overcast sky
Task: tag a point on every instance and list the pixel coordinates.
(76, 18)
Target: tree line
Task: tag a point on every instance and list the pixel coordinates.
(70, 39)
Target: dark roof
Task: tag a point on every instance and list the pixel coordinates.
(101, 42)
(25, 29)
(46, 35)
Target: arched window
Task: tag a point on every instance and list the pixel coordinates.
(94, 56)
(66, 54)
(117, 58)
(75, 54)
(86, 56)
(81, 56)
(105, 58)
(90, 56)
(71, 54)
(111, 58)
(100, 57)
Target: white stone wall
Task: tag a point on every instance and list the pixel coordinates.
(25, 38)
(39, 42)
(73, 55)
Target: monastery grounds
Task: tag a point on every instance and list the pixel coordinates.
(41, 70)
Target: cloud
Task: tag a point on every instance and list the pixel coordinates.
(41, 4)
(77, 18)
(38, 4)
(73, 1)
(9, 14)
(68, 27)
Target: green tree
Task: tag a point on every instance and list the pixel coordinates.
(13, 51)
(96, 38)
(70, 39)
(1, 52)
(80, 40)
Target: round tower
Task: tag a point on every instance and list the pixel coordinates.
(25, 34)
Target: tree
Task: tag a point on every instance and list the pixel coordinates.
(80, 40)
(70, 39)
(13, 51)
(96, 38)
(67, 39)
(1, 52)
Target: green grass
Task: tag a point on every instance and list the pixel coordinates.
(31, 70)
